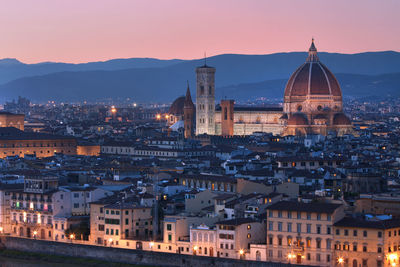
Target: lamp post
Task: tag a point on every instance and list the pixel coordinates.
(241, 253)
(110, 241)
(195, 248)
(34, 234)
(72, 237)
(340, 260)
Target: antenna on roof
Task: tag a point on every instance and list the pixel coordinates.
(205, 58)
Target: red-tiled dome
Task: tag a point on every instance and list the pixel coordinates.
(312, 78)
(297, 119)
(341, 119)
(177, 106)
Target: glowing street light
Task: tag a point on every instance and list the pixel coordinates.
(340, 260)
(34, 234)
(241, 252)
(158, 116)
(151, 244)
(1, 229)
(72, 236)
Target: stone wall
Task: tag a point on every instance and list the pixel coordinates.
(122, 255)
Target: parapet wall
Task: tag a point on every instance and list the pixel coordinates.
(123, 255)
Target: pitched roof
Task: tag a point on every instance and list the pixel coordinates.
(362, 223)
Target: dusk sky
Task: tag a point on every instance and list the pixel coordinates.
(81, 31)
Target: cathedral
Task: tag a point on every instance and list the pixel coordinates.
(312, 105)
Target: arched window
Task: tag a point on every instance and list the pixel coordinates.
(258, 255)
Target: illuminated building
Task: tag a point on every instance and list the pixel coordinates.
(14, 142)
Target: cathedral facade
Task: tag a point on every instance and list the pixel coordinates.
(312, 105)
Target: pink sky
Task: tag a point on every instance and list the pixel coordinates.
(91, 30)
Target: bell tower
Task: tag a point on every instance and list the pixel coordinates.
(205, 100)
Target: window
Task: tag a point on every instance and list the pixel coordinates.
(328, 258)
(337, 232)
(319, 229)
(308, 228)
(169, 227)
(379, 234)
(355, 233)
(270, 239)
(126, 221)
(318, 257)
(355, 247)
(248, 236)
(280, 241)
(298, 215)
(365, 233)
(270, 226)
(346, 232)
(328, 230)
(101, 227)
(328, 217)
(169, 237)
(289, 214)
(271, 213)
(279, 214)
(318, 216)
(379, 249)
(279, 226)
(299, 228)
(318, 243)
(364, 248)
(308, 256)
(76, 205)
(308, 216)
(249, 227)
(289, 227)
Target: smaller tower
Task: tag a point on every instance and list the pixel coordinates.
(188, 114)
(227, 120)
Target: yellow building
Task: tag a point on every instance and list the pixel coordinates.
(360, 242)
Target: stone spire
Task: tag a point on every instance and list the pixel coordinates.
(312, 53)
(188, 115)
(188, 98)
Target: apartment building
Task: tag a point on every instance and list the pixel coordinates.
(235, 236)
(302, 233)
(367, 242)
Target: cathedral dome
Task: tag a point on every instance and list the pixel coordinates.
(341, 119)
(312, 78)
(297, 119)
(177, 106)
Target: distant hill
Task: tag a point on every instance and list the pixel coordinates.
(354, 85)
(11, 68)
(237, 76)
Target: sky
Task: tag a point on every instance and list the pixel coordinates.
(95, 30)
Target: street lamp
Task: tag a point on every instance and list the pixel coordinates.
(340, 260)
(195, 248)
(1, 229)
(34, 234)
(110, 241)
(151, 245)
(72, 236)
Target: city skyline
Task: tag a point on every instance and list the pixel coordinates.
(81, 32)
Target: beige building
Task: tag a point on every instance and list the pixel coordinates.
(235, 236)
(203, 240)
(196, 201)
(111, 223)
(302, 233)
(360, 242)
